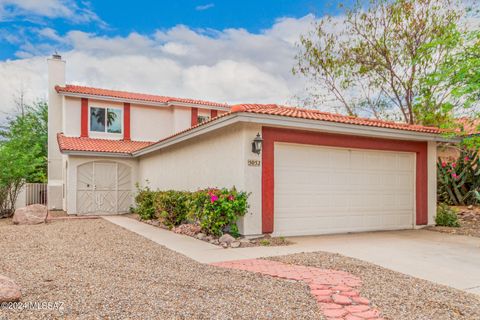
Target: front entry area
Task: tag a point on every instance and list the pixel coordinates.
(104, 187)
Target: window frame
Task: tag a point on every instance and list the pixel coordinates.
(105, 132)
(205, 118)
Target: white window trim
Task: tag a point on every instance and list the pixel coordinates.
(105, 133)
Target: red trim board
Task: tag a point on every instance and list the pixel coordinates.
(194, 121)
(272, 135)
(126, 121)
(84, 118)
(213, 113)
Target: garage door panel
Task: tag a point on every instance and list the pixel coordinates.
(328, 190)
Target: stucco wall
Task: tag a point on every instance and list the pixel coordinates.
(56, 76)
(218, 159)
(150, 123)
(72, 163)
(182, 118)
(72, 117)
(432, 181)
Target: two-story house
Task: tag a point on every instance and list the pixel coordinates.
(93, 127)
(307, 172)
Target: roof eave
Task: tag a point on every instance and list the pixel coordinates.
(96, 154)
(295, 123)
(346, 128)
(143, 102)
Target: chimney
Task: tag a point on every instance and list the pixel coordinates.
(56, 77)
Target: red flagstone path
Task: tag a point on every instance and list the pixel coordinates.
(335, 291)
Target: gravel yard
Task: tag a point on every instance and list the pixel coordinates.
(101, 271)
(398, 296)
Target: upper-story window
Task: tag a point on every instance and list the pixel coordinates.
(106, 120)
(201, 119)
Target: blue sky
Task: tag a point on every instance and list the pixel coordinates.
(225, 51)
(120, 18)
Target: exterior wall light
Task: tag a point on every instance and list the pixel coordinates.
(257, 144)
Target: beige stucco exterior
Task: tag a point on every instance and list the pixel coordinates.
(432, 181)
(56, 72)
(217, 159)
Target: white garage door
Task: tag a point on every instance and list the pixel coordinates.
(321, 190)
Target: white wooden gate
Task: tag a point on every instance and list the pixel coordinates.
(103, 187)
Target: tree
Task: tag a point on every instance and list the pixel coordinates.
(23, 153)
(373, 61)
(458, 77)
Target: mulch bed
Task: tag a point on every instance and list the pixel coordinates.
(469, 223)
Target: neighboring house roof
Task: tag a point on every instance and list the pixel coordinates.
(279, 110)
(82, 144)
(132, 96)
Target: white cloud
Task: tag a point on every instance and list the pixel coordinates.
(36, 10)
(231, 66)
(205, 7)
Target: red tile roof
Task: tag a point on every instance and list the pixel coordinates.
(274, 109)
(279, 110)
(99, 145)
(128, 147)
(74, 89)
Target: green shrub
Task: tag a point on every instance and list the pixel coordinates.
(172, 207)
(218, 210)
(144, 203)
(215, 210)
(446, 216)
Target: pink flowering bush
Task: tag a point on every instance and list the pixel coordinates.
(459, 180)
(215, 211)
(218, 210)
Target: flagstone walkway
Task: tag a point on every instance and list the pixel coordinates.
(335, 291)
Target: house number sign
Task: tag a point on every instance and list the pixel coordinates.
(254, 163)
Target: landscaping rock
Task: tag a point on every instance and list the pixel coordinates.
(187, 229)
(224, 245)
(9, 290)
(33, 214)
(245, 240)
(208, 238)
(201, 236)
(226, 238)
(235, 244)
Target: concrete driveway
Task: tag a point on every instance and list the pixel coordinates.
(442, 258)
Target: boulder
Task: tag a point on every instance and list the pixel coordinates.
(226, 238)
(9, 290)
(201, 236)
(33, 214)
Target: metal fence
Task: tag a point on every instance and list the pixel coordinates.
(35, 193)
